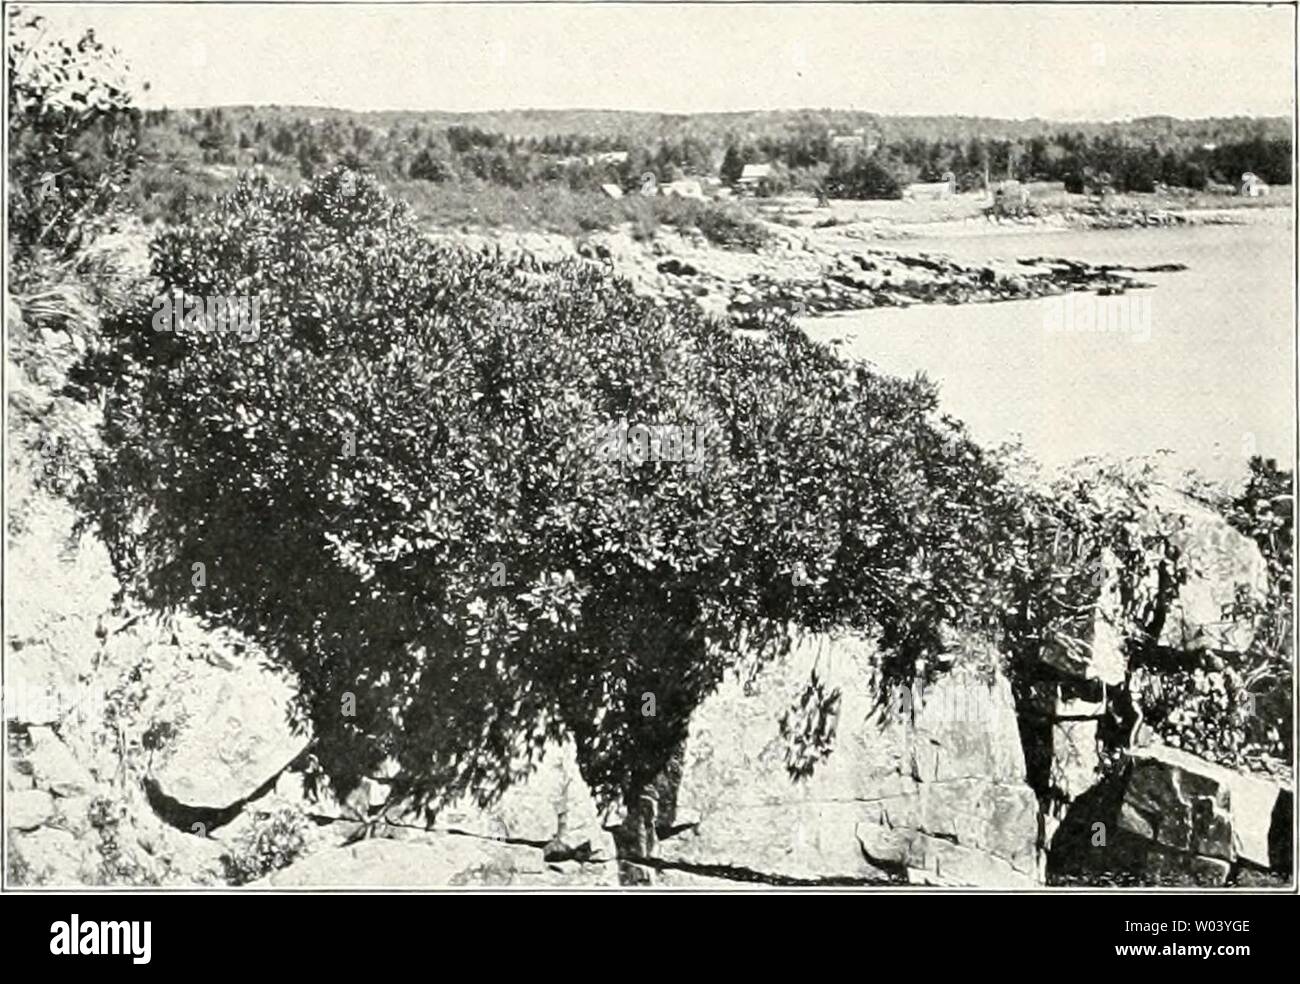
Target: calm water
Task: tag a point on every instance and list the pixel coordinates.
(1202, 364)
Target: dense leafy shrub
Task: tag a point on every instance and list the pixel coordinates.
(553, 208)
(1079, 529)
(726, 225)
(275, 840)
(427, 167)
(72, 137)
(174, 194)
(1194, 176)
(874, 176)
(1257, 725)
(731, 227)
(400, 490)
(1262, 510)
(1208, 712)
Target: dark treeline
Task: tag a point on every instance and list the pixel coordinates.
(852, 155)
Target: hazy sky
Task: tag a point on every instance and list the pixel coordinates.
(1066, 62)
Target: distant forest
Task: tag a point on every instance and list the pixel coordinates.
(855, 155)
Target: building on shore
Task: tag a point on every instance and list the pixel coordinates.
(752, 176)
(684, 188)
(855, 141)
(1253, 186)
(1010, 194)
(930, 190)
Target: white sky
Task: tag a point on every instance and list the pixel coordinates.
(1101, 61)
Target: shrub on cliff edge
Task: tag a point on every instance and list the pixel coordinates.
(403, 488)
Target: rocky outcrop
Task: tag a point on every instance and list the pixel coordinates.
(437, 861)
(53, 766)
(926, 786)
(1227, 570)
(1061, 720)
(871, 278)
(1150, 815)
(1225, 575)
(27, 809)
(1191, 807)
(553, 807)
(233, 736)
(1167, 817)
(68, 827)
(805, 272)
(144, 753)
(1105, 216)
(130, 741)
(94, 697)
(1076, 703)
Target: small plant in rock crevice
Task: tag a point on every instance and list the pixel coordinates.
(118, 864)
(275, 840)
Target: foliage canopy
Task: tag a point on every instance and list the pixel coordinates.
(399, 490)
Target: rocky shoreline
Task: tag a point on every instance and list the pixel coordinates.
(1101, 216)
(963, 780)
(880, 278)
(811, 271)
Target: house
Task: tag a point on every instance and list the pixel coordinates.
(612, 190)
(1010, 194)
(684, 188)
(752, 176)
(929, 190)
(1253, 186)
(853, 140)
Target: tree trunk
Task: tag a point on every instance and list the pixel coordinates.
(638, 840)
(651, 810)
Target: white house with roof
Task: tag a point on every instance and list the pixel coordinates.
(928, 190)
(684, 188)
(1253, 186)
(752, 175)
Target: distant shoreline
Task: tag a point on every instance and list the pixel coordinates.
(1050, 208)
(812, 271)
(1066, 222)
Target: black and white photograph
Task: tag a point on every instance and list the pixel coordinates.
(650, 448)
